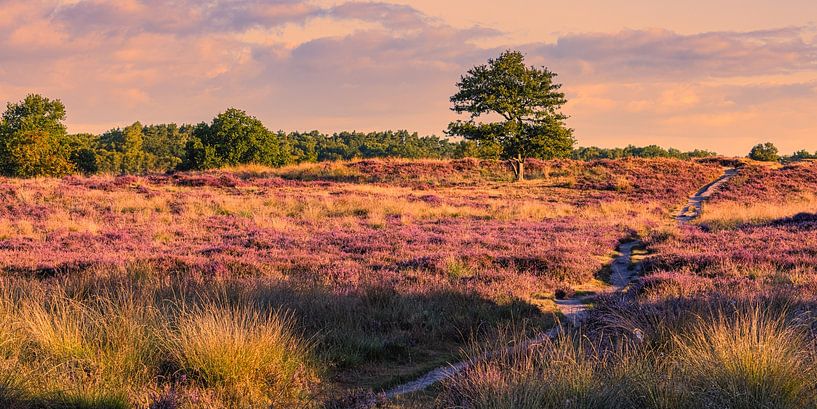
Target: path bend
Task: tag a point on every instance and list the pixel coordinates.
(574, 309)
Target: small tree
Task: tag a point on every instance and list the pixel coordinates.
(232, 138)
(765, 152)
(528, 102)
(33, 139)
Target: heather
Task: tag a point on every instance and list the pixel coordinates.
(256, 286)
(758, 231)
(722, 317)
(758, 183)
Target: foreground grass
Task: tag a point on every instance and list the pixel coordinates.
(125, 347)
(747, 358)
(110, 340)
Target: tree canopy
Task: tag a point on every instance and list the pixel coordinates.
(526, 100)
(631, 151)
(33, 138)
(232, 138)
(765, 152)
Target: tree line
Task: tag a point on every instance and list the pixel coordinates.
(526, 99)
(34, 142)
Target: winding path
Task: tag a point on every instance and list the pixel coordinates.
(694, 206)
(574, 309)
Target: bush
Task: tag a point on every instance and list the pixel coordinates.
(764, 152)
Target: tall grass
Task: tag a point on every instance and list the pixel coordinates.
(115, 345)
(729, 214)
(554, 374)
(247, 355)
(752, 360)
(745, 359)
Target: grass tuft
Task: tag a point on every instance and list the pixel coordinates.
(242, 352)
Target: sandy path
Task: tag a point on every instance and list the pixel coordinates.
(694, 206)
(623, 270)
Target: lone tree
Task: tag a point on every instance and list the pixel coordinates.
(528, 102)
(765, 152)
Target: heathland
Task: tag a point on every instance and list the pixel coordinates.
(224, 265)
(323, 284)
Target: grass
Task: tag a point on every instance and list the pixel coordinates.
(244, 355)
(748, 358)
(78, 344)
(754, 359)
(731, 215)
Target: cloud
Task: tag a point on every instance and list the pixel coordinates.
(367, 65)
(657, 53)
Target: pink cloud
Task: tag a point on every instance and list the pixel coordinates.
(184, 61)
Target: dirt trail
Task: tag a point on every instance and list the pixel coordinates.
(622, 271)
(694, 206)
(574, 309)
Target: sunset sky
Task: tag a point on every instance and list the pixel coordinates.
(717, 74)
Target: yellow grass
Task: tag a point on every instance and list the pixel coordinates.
(726, 215)
(113, 349)
(242, 352)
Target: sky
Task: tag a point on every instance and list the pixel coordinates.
(721, 75)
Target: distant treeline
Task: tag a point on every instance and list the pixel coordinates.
(650, 151)
(34, 141)
(158, 148)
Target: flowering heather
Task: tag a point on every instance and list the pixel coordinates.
(385, 267)
(755, 183)
(221, 223)
(697, 261)
(754, 234)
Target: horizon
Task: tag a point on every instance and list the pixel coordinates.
(681, 76)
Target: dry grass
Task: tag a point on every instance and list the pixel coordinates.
(82, 345)
(729, 215)
(753, 359)
(744, 359)
(245, 355)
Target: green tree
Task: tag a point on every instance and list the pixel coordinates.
(765, 152)
(82, 152)
(33, 138)
(121, 151)
(166, 143)
(528, 102)
(232, 138)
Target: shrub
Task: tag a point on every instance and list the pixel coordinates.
(765, 152)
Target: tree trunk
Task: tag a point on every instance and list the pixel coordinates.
(518, 166)
(520, 175)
